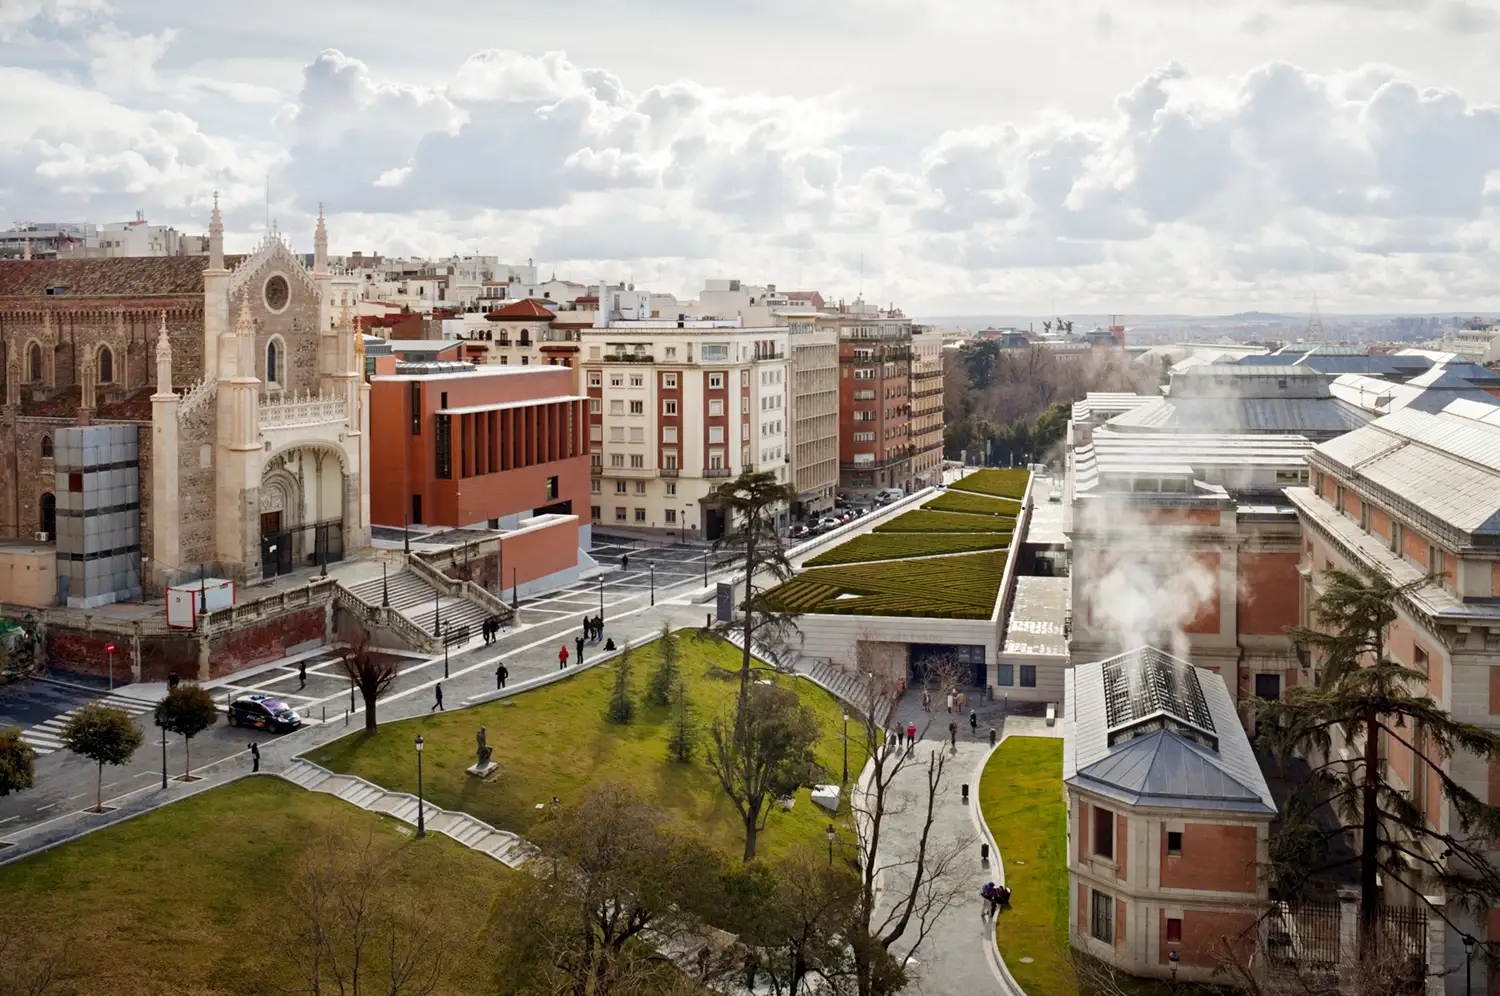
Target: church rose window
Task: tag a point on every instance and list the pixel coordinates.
(277, 293)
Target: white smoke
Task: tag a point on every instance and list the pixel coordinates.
(1140, 582)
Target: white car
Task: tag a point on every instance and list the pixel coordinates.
(889, 495)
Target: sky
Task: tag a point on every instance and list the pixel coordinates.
(949, 156)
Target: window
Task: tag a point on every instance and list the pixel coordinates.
(416, 410)
(1028, 675)
(1102, 920)
(745, 405)
(525, 360)
(106, 365)
(637, 461)
(596, 460)
(864, 416)
(715, 381)
(640, 487)
(669, 407)
(637, 408)
(619, 487)
(864, 437)
(596, 406)
(594, 379)
(616, 380)
(672, 355)
(637, 381)
(617, 433)
(865, 373)
(1174, 843)
(595, 485)
(594, 512)
(744, 378)
(640, 515)
(552, 489)
(416, 508)
(672, 485)
(619, 513)
(444, 446)
(715, 462)
(669, 434)
(617, 407)
(716, 434)
(596, 433)
(716, 408)
(671, 516)
(46, 447)
(273, 362)
(864, 395)
(1174, 930)
(1104, 832)
(617, 459)
(669, 381)
(35, 363)
(1419, 660)
(1005, 674)
(714, 352)
(637, 434)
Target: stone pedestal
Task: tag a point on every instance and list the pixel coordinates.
(483, 770)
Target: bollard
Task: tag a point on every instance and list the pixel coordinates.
(966, 793)
(325, 716)
(984, 855)
(346, 717)
(992, 736)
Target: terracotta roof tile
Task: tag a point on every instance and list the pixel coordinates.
(524, 310)
(122, 277)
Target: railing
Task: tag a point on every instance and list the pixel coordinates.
(668, 472)
(467, 590)
(309, 409)
(630, 358)
(383, 615)
(716, 471)
(195, 398)
(319, 591)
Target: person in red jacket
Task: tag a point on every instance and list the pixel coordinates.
(562, 657)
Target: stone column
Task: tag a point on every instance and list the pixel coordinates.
(166, 511)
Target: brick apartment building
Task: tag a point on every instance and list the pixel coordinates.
(875, 358)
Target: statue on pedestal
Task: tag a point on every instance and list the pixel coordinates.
(484, 749)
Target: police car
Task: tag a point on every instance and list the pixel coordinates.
(264, 712)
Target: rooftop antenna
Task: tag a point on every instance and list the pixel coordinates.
(1314, 331)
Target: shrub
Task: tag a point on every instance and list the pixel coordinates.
(621, 709)
(965, 501)
(921, 521)
(888, 546)
(963, 587)
(997, 483)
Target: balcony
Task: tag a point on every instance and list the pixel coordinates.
(716, 471)
(668, 472)
(630, 358)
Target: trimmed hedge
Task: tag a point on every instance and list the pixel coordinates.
(887, 546)
(963, 587)
(919, 521)
(966, 501)
(997, 483)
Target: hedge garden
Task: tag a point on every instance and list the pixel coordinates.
(961, 587)
(996, 483)
(891, 546)
(965, 501)
(921, 521)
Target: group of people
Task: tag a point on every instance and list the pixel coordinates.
(593, 628)
(994, 896)
(491, 629)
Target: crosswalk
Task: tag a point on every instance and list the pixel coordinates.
(45, 738)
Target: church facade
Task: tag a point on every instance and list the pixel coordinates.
(243, 380)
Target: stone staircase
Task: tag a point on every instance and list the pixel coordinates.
(414, 598)
(505, 847)
(844, 684)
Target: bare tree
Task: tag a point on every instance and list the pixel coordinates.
(343, 932)
(371, 671)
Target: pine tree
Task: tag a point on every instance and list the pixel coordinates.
(664, 680)
(621, 708)
(1366, 703)
(683, 743)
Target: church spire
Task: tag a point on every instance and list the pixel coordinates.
(163, 359)
(320, 244)
(216, 237)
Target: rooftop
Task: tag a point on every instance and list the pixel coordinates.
(129, 276)
(1314, 417)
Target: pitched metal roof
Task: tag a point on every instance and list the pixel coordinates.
(1316, 417)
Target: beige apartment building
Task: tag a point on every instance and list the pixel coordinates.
(926, 394)
(814, 403)
(677, 408)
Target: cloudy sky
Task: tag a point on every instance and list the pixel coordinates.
(955, 156)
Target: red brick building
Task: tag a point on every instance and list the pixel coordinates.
(465, 445)
(875, 353)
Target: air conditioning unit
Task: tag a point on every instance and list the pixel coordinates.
(43, 537)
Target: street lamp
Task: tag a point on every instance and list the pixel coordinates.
(320, 537)
(833, 835)
(385, 588)
(437, 610)
(652, 565)
(601, 598)
(163, 754)
(1174, 958)
(446, 630)
(846, 748)
(1470, 942)
(421, 820)
(405, 536)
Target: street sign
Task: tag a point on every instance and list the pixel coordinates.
(109, 648)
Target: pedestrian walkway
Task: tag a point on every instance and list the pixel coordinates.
(46, 737)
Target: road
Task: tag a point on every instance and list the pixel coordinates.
(66, 782)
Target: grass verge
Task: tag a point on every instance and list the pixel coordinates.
(554, 741)
(186, 899)
(966, 501)
(887, 546)
(921, 521)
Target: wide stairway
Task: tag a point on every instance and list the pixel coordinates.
(418, 601)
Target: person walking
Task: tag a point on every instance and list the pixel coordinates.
(302, 674)
(437, 691)
(926, 700)
(960, 703)
(501, 673)
(588, 627)
(254, 757)
(950, 701)
(911, 736)
(973, 723)
(624, 562)
(953, 734)
(562, 657)
(578, 646)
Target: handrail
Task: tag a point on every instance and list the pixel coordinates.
(455, 588)
(383, 615)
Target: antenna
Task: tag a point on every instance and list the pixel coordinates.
(1314, 331)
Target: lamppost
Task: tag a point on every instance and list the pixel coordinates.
(846, 748)
(1470, 942)
(1174, 958)
(437, 610)
(833, 835)
(163, 754)
(321, 538)
(652, 565)
(421, 820)
(601, 598)
(405, 535)
(109, 648)
(385, 588)
(446, 630)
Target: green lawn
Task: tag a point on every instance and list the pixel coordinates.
(998, 483)
(186, 899)
(967, 501)
(555, 741)
(1021, 797)
(961, 587)
(920, 521)
(886, 546)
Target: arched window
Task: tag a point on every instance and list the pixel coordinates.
(34, 362)
(106, 365)
(273, 362)
(49, 515)
(46, 447)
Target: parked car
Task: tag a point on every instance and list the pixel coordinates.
(888, 495)
(829, 522)
(800, 532)
(263, 712)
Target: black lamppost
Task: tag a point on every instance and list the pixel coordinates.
(1469, 944)
(163, 755)
(405, 535)
(322, 540)
(385, 588)
(446, 630)
(652, 565)
(1174, 958)
(437, 610)
(846, 748)
(421, 820)
(601, 598)
(833, 835)
(515, 590)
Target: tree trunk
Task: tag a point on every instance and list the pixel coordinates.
(187, 764)
(748, 628)
(99, 789)
(1369, 857)
(369, 714)
(752, 822)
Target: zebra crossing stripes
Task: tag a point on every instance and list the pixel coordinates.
(45, 738)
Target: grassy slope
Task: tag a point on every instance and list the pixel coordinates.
(1001, 483)
(921, 521)
(189, 893)
(1020, 795)
(966, 501)
(884, 546)
(555, 740)
(960, 587)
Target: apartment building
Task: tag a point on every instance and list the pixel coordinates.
(926, 396)
(677, 408)
(875, 357)
(1169, 816)
(1417, 494)
(814, 410)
